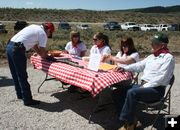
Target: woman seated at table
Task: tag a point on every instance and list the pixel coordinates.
(75, 46)
(101, 46)
(128, 54)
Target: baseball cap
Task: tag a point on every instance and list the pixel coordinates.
(49, 25)
(160, 38)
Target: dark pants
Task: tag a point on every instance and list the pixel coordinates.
(136, 94)
(17, 64)
(119, 94)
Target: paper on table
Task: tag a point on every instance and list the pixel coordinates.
(94, 62)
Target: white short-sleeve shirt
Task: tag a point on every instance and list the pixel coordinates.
(75, 50)
(30, 36)
(105, 50)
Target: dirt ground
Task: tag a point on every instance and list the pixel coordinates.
(61, 110)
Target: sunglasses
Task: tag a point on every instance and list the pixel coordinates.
(94, 39)
(125, 46)
(75, 36)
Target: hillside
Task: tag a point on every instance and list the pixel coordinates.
(60, 37)
(144, 15)
(159, 9)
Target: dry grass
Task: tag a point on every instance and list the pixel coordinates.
(60, 38)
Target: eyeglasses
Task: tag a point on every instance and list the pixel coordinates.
(94, 39)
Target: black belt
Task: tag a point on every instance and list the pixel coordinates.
(143, 82)
(17, 44)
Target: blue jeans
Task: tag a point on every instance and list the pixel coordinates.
(135, 94)
(17, 63)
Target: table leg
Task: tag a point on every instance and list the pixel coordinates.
(99, 106)
(46, 79)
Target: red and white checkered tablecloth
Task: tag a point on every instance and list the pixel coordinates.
(92, 81)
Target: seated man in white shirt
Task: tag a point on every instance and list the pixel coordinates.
(157, 71)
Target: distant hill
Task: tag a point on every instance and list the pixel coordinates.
(160, 9)
(143, 15)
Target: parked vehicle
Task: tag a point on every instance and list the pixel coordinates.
(83, 26)
(163, 27)
(2, 28)
(174, 27)
(148, 27)
(64, 26)
(112, 25)
(132, 26)
(19, 25)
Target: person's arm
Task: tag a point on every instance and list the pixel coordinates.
(65, 52)
(82, 53)
(83, 49)
(106, 52)
(136, 67)
(127, 60)
(133, 58)
(41, 51)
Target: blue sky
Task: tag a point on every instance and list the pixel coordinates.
(87, 4)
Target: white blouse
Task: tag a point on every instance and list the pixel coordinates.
(75, 50)
(105, 50)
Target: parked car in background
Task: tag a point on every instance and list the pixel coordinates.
(83, 26)
(19, 25)
(163, 27)
(3, 28)
(132, 26)
(174, 27)
(148, 27)
(112, 25)
(64, 26)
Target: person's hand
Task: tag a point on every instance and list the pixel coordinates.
(35, 54)
(50, 58)
(64, 52)
(119, 69)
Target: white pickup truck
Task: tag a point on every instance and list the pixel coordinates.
(148, 27)
(163, 27)
(132, 26)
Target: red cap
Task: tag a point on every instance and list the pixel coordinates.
(50, 26)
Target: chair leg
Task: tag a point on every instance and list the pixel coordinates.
(157, 116)
(169, 105)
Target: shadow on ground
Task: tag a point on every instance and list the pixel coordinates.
(107, 117)
(5, 81)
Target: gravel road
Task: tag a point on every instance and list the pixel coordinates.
(61, 110)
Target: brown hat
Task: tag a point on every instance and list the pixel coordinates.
(74, 34)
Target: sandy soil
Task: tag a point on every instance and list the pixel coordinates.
(61, 110)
